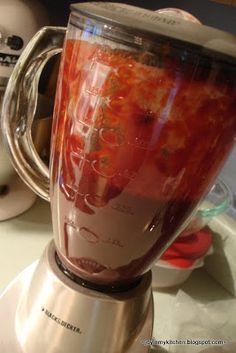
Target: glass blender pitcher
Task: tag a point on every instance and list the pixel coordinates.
(144, 119)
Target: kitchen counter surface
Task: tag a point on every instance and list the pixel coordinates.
(23, 239)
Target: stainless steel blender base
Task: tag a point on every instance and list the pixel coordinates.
(44, 311)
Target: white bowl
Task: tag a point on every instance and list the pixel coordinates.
(166, 275)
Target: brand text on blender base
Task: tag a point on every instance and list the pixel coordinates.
(61, 322)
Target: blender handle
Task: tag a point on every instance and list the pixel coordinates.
(19, 108)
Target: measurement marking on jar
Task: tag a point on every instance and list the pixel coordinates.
(90, 236)
(123, 208)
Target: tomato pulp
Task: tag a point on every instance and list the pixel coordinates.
(135, 147)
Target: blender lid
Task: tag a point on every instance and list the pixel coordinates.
(204, 39)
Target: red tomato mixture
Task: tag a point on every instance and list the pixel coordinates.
(136, 147)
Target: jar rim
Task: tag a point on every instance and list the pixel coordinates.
(204, 40)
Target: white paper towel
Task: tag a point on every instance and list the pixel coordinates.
(197, 322)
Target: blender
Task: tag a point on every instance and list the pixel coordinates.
(144, 118)
(19, 21)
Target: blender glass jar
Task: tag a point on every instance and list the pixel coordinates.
(136, 119)
(144, 119)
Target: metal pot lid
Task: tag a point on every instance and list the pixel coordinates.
(203, 40)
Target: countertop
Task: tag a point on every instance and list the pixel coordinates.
(23, 239)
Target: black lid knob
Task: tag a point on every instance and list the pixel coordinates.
(15, 42)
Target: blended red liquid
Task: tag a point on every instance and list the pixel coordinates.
(136, 145)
